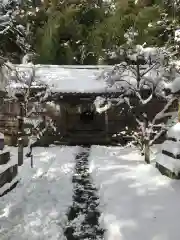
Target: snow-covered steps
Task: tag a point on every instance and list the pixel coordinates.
(168, 160)
(8, 172)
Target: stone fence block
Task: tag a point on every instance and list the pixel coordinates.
(4, 157)
(8, 175)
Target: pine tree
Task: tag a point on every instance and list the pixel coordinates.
(72, 34)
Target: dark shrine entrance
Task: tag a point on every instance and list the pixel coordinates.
(79, 123)
(87, 113)
(87, 117)
(88, 120)
(83, 124)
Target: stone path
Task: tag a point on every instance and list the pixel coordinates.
(83, 215)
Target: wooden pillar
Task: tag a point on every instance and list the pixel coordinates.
(64, 115)
(68, 118)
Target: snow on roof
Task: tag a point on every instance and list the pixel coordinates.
(61, 78)
(83, 78)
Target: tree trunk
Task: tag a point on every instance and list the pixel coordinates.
(138, 74)
(21, 130)
(147, 152)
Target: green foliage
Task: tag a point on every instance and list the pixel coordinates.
(82, 31)
(71, 35)
(14, 40)
(49, 43)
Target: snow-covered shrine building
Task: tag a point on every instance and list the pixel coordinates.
(73, 89)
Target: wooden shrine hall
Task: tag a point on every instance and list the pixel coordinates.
(74, 90)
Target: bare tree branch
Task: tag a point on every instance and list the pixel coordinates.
(149, 69)
(161, 114)
(163, 129)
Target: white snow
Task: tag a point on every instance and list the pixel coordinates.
(60, 78)
(177, 35)
(123, 77)
(5, 1)
(5, 149)
(101, 104)
(168, 162)
(175, 85)
(172, 147)
(36, 208)
(84, 79)
(174, 132)
(136, 201)
(34, 121)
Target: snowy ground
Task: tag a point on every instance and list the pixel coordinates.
(36, 208)
(137, 202)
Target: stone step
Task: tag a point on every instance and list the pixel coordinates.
(92, 140)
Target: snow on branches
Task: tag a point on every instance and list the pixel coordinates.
(143, 83)
(22, 86)
(12, 31)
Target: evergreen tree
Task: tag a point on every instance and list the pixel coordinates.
(14, 40)
(85, 32)
(71, 34)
